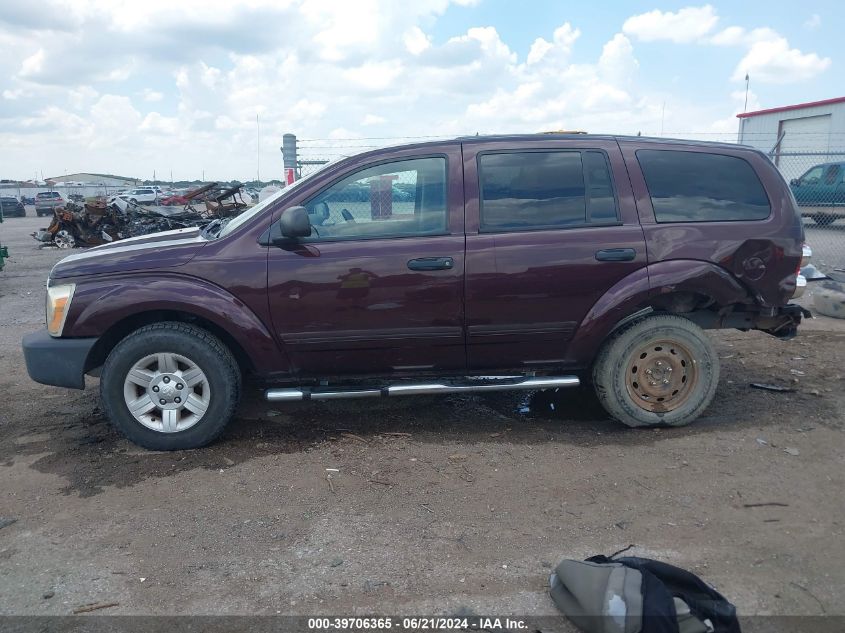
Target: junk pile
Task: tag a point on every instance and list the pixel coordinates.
(97, 221)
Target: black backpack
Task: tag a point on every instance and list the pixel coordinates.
(639, 595)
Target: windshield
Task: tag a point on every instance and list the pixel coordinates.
(247, 215)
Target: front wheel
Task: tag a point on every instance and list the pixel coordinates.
(170, 386)
(658, 371)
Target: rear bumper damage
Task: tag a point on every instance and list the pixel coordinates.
(781, 322)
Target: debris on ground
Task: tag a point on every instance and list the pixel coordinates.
(95, 607)
(6, 522)
(792, 451)
(770, 387)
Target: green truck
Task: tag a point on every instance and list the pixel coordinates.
(4, 252)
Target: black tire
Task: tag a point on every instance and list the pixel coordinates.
(205, 350)
(624, 358)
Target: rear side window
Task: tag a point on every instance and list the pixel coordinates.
(702, 187)
(545, 190)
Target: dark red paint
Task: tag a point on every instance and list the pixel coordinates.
(519, 301)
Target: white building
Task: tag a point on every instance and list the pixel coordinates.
(795, 132)
(90, 179)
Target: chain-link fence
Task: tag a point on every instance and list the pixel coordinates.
(817, 180)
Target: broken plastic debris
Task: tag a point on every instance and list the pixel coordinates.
(768, 387)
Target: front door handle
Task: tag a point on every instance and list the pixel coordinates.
(616, 255)
(431, 263)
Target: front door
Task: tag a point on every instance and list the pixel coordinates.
(551, 226)
(378, 287)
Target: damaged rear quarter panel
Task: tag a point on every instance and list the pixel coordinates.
(762, 254)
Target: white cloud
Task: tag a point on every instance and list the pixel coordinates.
(687, 25)
(769, 58)
(563, 39)
(155, 123)
(416, 41)
(813, 22)
(373, 119)
(773, 61)
(324, 69)
(151, 95)
(374, 75)
(617, 62)
(33, 64)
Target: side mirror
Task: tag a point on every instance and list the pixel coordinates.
(295, 223)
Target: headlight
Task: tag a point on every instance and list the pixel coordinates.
(58, 304)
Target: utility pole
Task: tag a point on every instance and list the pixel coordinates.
(662, 117)
(258, 145)
(745, 107)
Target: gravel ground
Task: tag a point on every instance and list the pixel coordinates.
(449, 504)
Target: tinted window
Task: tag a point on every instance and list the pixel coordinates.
(601, 203)
(701, 187)
(531, 190)
(392, 200)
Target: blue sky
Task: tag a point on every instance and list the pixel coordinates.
(131, 87)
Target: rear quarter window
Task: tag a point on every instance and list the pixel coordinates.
(702, 187)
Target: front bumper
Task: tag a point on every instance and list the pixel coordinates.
(57, 361)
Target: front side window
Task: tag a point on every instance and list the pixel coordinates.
(812, 177)
(545, 190)
(397, 199)
(702, 187)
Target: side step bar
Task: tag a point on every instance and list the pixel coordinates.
(412, 389)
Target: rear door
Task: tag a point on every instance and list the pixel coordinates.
(551, 226)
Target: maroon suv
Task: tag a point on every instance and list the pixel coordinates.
(478, 264)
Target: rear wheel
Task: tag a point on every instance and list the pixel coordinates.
(660, 370)
(170, 386)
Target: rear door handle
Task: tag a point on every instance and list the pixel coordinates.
(432, 263)
(616, 255)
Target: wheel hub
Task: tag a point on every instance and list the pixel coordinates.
(166, 392)
(661, 375)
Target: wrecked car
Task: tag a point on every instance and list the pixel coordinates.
(517, 263)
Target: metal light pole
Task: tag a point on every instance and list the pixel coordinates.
(745, 107)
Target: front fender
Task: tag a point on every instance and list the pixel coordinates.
(635, 292)
(100, 304)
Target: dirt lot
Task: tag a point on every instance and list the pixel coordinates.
(440, 505)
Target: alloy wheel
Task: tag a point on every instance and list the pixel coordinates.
(166, 392)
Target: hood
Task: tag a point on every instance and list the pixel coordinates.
(167, 249)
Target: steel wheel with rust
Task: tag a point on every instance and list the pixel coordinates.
(659, 370)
